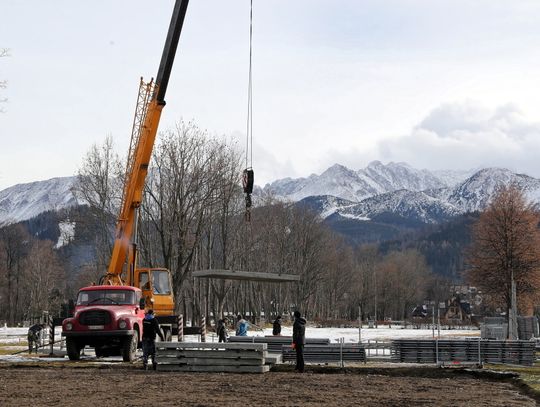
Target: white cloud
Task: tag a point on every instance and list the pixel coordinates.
(468, 135)
(331, 84)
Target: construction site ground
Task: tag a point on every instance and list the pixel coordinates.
(87, 383)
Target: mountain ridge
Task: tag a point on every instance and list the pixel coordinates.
(379, 190)
(376, 178)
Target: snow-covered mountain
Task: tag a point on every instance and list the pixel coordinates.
(430, 205)
(412, 205)
(375, 179)
(475, 193)
(394, 190)
(24, 201)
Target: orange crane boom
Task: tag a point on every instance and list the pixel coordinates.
(150, 103)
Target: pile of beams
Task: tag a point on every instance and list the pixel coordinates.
(275, 343)
(330, 353)
(212, 357)
(463, 351)
(528, 328)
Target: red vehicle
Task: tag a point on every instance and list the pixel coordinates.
(107, 318)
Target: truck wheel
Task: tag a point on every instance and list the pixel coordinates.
(73, 350)
(129, 347)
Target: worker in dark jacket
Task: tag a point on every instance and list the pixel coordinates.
(34, 334)
(299, 340)
(150, 330)
(221, 331)
(276, 327)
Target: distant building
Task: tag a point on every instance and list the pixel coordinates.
(456, 310)
(420, 311)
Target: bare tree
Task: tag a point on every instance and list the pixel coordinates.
(401, 283)
(365, 292)
(337, 289)
(506, 250)
(224, 235)
(309, 241)
(188, 169)
(287, 239)
(99, 185)
(266, 246)
(4, 52)
(44, 278)
(14, 246)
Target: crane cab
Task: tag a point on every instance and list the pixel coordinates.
(156, 287)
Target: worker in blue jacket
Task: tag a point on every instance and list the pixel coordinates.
(241, 326)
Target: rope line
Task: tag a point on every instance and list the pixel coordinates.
(249, 130)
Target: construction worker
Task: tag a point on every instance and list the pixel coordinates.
(299, 340)
(241, 326)
(150, 330)
(221, 331)
(34, 335)
(276, 326)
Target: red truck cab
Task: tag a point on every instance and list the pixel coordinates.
(107, 318)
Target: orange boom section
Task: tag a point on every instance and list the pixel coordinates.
(155, 283)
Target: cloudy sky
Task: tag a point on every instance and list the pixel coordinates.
(438, 84)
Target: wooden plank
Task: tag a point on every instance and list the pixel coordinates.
(246, 275)
(214, 369)
(211, 345)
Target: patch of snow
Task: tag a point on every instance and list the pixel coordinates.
(351, 335)
(454, 177)
(353, 216)
(67, 233)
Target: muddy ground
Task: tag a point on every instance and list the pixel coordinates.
(110, 385)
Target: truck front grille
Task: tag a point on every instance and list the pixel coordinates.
(95, 317)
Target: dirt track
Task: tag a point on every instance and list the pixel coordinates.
(117, 386)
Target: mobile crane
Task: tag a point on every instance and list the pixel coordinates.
(109, 316)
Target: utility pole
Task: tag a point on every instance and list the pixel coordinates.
(512, 312)
(433, 321)
(439, 322)
(375, 279)
(359, 324)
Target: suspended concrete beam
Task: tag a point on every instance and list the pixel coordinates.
(246, 276)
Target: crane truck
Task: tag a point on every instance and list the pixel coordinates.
(108, 316)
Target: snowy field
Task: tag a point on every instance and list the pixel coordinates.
(16, 336)
(13, 340)
(382, 333)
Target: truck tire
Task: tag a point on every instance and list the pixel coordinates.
(129, 348)
(73, 349)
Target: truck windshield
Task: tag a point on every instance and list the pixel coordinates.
(106, 297)
(160, 282)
